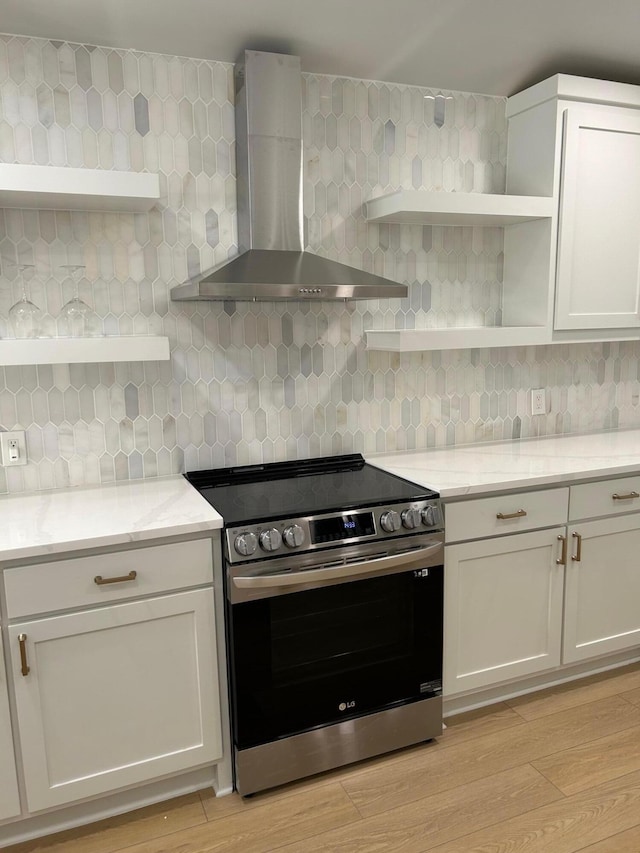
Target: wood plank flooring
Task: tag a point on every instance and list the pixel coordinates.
(553, 772)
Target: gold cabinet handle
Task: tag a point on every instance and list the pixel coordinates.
(578, 555)
(24, 666)
(562, 561)
(519, 513)
(629, 496)
(102, 581)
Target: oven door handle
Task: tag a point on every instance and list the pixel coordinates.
(365, 567)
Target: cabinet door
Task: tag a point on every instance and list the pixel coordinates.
(9, 799)
(503, 609)
(117, 696)
(598, 275)
(602, 595)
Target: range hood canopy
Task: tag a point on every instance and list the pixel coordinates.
(272, 264)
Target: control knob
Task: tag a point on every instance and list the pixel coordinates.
(431, 516)
(411, 518)
(390, 521)
(270, 540)
(246, 544)
(293, 536)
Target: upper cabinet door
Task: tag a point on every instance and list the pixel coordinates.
(598, 274)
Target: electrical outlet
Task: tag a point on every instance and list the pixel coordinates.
(14, 448)
(538, 401)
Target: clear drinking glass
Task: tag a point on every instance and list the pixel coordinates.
(24, 315)
(76, 318)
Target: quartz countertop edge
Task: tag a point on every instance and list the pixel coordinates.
(47, 523)
(476, 469)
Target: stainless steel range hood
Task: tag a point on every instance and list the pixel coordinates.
(271, 264)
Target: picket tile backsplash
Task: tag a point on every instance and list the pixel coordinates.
(262, 382)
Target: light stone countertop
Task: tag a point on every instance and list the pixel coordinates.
(54, 522)
(475, 469)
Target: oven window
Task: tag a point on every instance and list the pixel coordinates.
(339, 629)
(317, 657)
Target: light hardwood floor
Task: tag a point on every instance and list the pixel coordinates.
(556, 771)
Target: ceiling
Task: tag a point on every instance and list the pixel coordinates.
(491, 46)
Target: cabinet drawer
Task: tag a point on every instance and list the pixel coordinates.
(506, 514)
(89, 581)
(608, 497)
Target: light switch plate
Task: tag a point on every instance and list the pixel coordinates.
(13, 447)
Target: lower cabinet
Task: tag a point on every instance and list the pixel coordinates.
(602, 596)
(503, 608)
(526, 602)
(115, 696)
(9, 799)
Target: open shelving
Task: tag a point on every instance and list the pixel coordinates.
(524, 255)
(14, 351)
(66, 188)
(420, 207)
(456, 337)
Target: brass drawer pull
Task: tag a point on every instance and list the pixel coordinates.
(629, 496)
(102, 581)
(24, 666)
(578, 555)
(519, 513)
(563, 556)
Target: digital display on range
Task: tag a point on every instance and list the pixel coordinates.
(342, 527)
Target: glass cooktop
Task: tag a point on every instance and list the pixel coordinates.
(253, 493)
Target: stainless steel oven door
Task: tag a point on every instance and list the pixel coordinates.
(352, 635)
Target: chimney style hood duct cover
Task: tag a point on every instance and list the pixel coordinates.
(271, 264)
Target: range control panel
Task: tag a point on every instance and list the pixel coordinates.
(297, 535)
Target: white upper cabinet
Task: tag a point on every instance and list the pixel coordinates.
(578, 140)
(598, 274)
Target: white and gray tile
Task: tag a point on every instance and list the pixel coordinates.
(261, 382)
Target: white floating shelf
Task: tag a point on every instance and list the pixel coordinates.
(418, 207)
(84, 350)
(460, 337)
(62, 188)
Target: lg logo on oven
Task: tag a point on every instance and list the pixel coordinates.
(346, 706)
